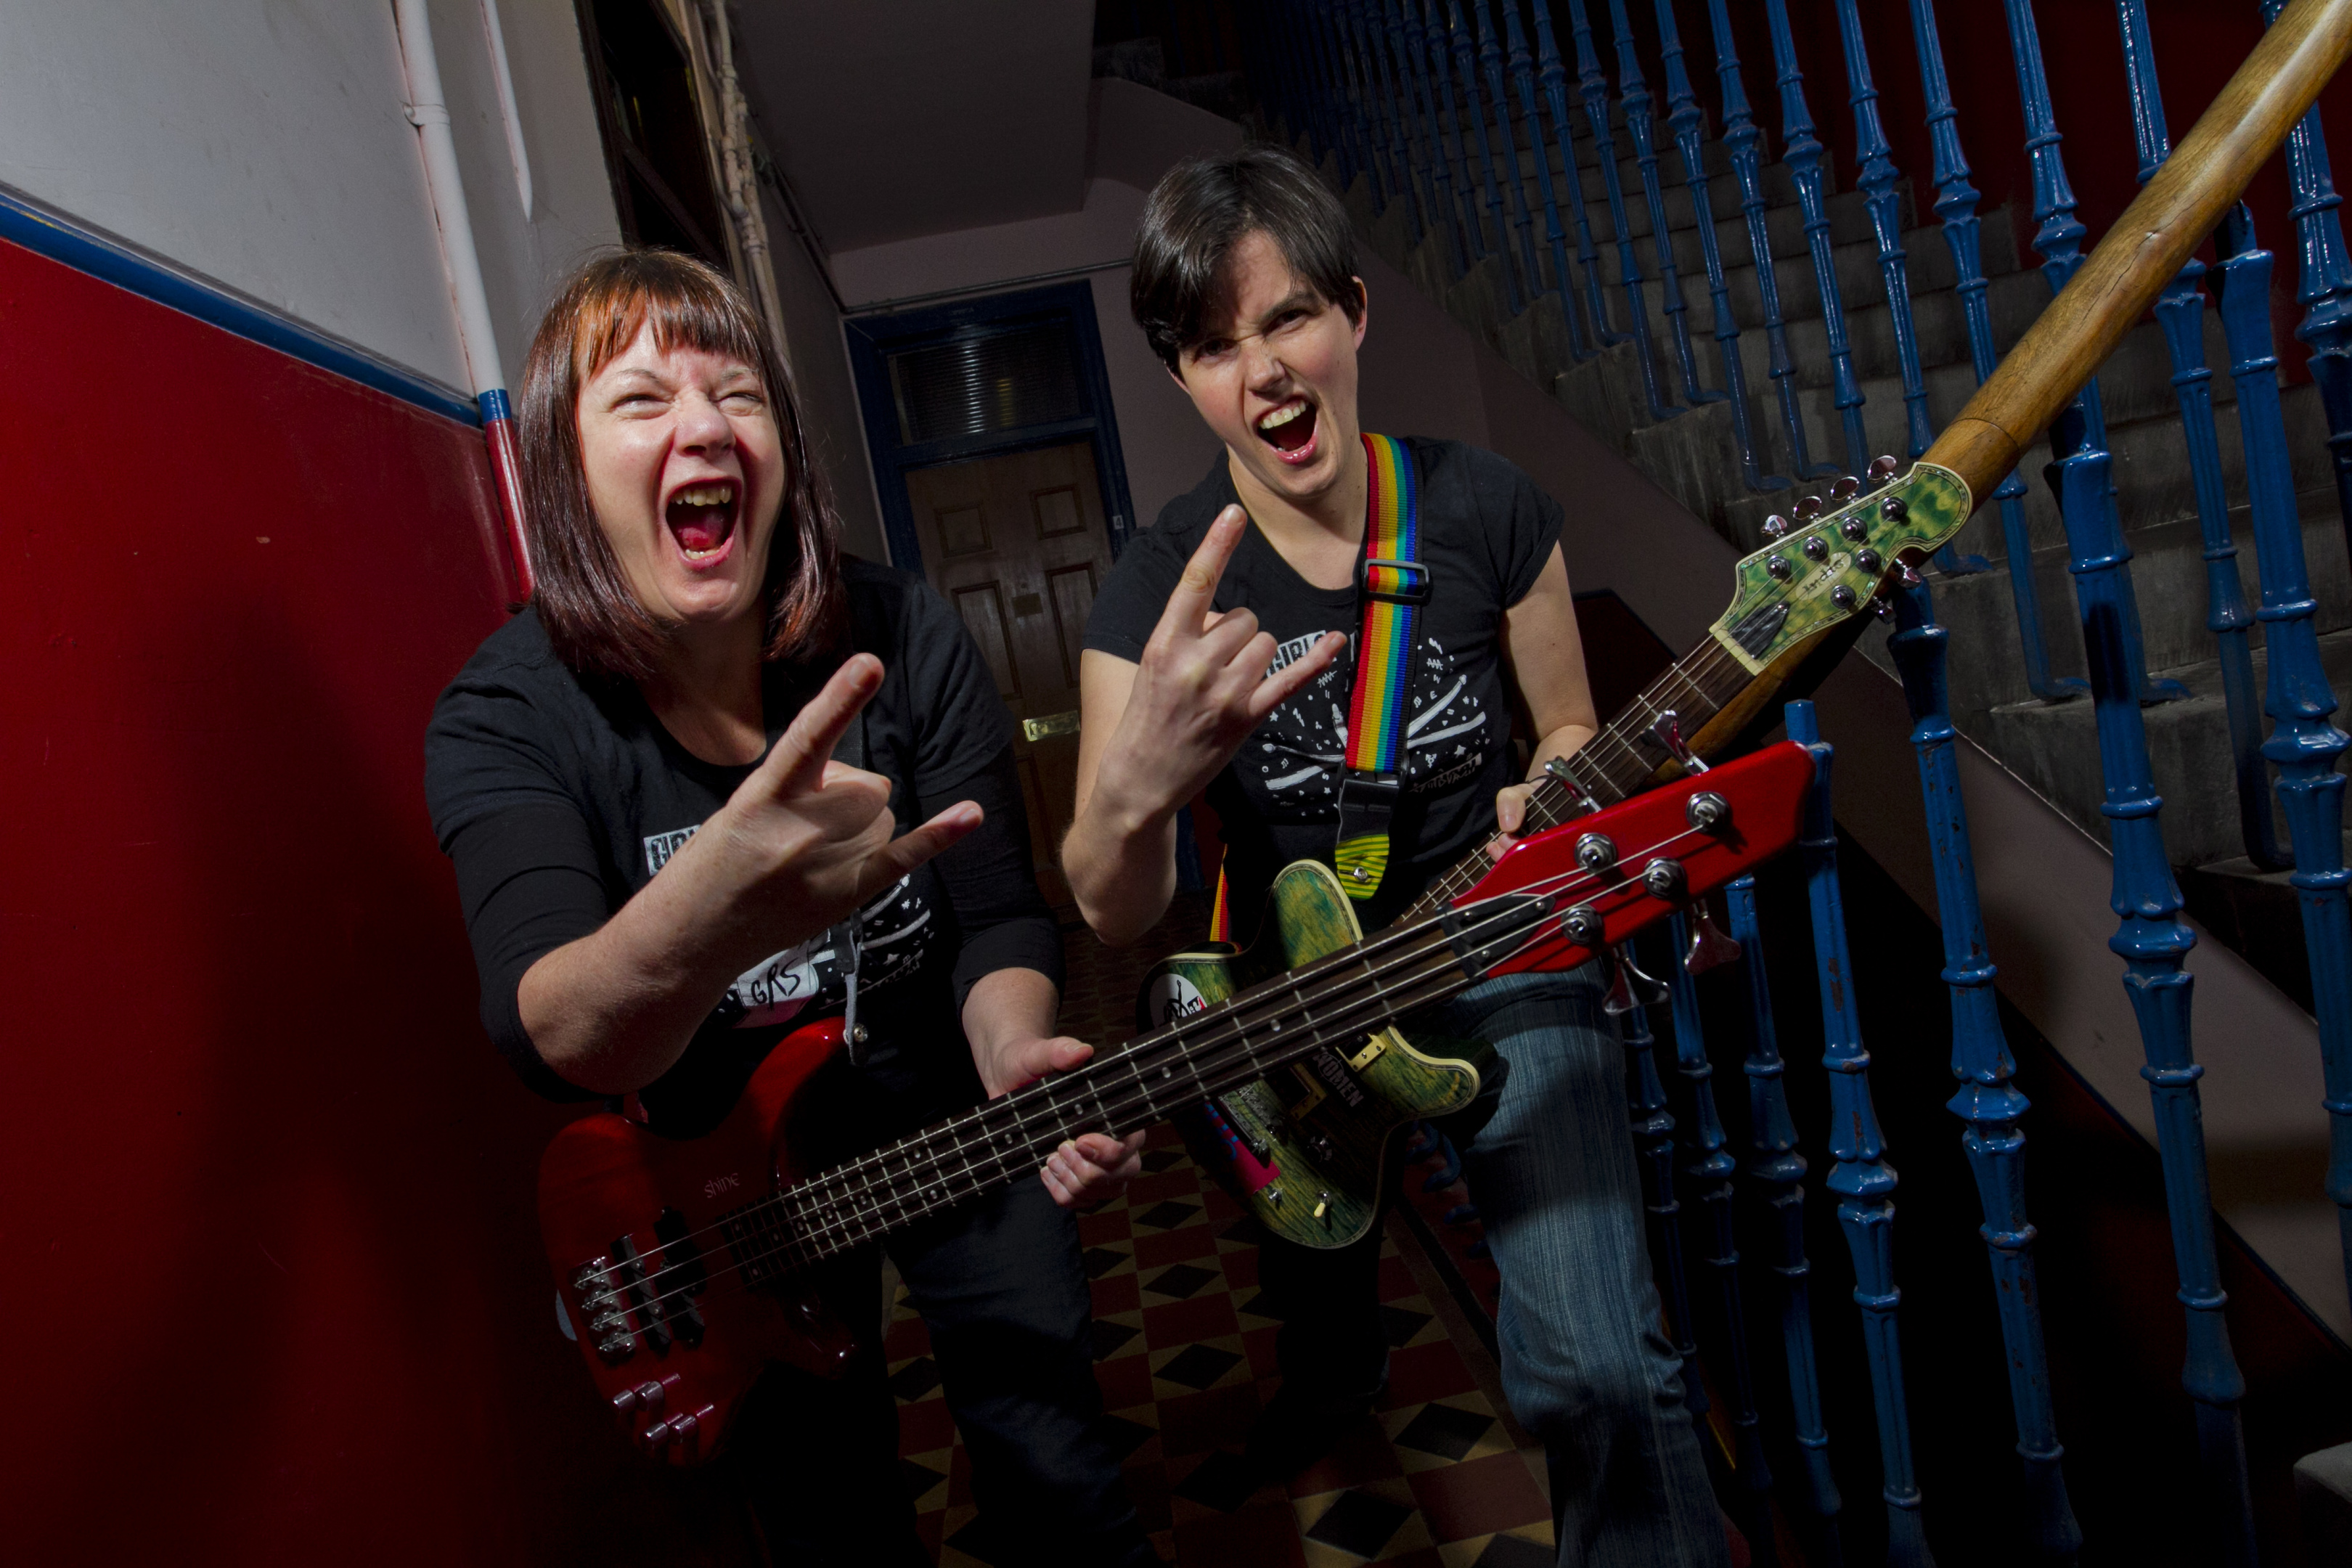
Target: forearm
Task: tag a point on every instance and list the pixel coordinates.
(1006, 1008)
(1121, 863)
(1563, 742)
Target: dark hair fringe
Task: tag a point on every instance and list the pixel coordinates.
(1201, 210)
(593, 618)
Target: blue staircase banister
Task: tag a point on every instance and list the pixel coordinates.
(1393, 113)
(1490, 61)
(1523, 79)
(1989, 1101)
(1466, 66)
(1453, 139)
(2154, 943)
(1593, 87)
(1687, 123)
(1436, 167)
(1777, 1172)
(1633, 93)
(1553, 74)
(1803, 155)
(2303, 744)
(1628, 1008)
(1862, 1178)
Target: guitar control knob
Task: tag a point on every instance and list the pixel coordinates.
(1816, 548)
(1322, 1146)
(1853, 528)
(1584, 926)
(1893, 509)
(1846, 487)
(1843, 596)
(1775, 526)
(1778, 566)
(1663, 878)
(1807, 509)
(656, 1435)
(625, 1401)
(1595, 852)
(1707, 811)
(1869, 560)
(1272, 1194)
(1323, 1208)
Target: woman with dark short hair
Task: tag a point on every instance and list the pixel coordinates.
(1218, 658)
(711, 760)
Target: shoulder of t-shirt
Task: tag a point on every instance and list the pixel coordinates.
(1517, 521)
(886, 596)
(1128, 604)
(507, 719)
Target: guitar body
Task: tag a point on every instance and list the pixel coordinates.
(1306, 1150)
(619, 1205)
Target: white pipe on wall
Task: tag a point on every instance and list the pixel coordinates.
(515, 149)
(428, 111)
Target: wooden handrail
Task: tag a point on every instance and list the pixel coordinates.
(2171, 216)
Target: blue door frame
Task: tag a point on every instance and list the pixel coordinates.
(874, 339)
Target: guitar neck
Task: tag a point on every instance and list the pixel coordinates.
(1620, 761)
(1335, 1001)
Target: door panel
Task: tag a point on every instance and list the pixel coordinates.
(1018, 544)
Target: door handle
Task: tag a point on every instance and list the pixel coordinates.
(1050, 724)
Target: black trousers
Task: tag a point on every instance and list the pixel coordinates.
(999, 1286)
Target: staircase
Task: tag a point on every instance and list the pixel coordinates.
(1694, 456)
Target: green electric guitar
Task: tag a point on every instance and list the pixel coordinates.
(1307, 1149)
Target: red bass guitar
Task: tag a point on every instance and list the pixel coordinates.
(681, 1264)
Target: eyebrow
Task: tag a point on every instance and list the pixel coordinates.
(1297, 298)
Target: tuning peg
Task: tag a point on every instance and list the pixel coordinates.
(1775, 526)
(1807, 509)
(1667, 735)
(1846, 487)
(1710, 948)
(1627, 987)
(1907, 574)
(1882, 609)
(1883, 469)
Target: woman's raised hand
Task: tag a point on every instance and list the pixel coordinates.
(1202, 686)
(812, 835)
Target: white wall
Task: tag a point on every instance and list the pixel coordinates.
(820, 365)
(262, 144)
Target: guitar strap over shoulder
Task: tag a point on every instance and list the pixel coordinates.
(1392, 584)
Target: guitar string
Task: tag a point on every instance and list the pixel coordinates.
(1132, 1054)
(843, 1231)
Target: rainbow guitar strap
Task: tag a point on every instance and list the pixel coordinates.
(1392, 584)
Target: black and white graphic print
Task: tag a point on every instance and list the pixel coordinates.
(1299, 752)
(895, 931)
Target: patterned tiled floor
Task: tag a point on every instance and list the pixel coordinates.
(1436, 1476)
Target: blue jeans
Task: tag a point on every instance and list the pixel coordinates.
(999, 1286)
(1586, 1364)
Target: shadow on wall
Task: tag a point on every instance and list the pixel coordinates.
(279, 1188)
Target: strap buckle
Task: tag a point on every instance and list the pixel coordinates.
(1414, 592)
(1360, 789)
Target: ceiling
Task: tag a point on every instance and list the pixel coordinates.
(895, 119)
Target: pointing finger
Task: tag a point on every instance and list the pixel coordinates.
(796, 763)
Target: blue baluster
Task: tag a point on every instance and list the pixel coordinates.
(1779, 1172)
(2153, 941)
(1687, 121)
(1988, 1101)
(1594, 88)
(1709, 1168)
(1323, 61)
(2180, 310)
(1862, 1177)
(2323, 285)
(1347, 20)
(1465, 64)
(1743, 138)
(1430, 158)
(1365, 15)
(1554, 76)
(1523, 78)
(2302, 743)
(1628, 1006)
(1633, 92)
(1454, 142)
(1355, 135)
(1802, 153)
(1882, 184)
(1956, 205)
(1490, 59)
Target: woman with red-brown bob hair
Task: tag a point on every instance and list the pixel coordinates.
(718, 780)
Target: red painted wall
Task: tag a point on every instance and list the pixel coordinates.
(265, 1189)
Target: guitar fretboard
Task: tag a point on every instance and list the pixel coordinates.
(1620, 761)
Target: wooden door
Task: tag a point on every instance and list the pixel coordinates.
(1017, 545)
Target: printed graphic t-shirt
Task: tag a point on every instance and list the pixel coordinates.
(1486, 531)
(558, 797)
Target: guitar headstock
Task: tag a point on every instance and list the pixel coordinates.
(1831, 558)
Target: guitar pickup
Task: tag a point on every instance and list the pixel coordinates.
(640, 1301)
(681, 1276)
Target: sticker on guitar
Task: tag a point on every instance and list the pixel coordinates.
(1171, 996)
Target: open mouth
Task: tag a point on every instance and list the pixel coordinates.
(1288, 429)
(701, 518)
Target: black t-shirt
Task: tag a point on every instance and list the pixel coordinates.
(558, 796)
(1486, 532)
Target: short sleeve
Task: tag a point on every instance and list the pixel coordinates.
(1525, 535)
(1130, 604)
